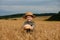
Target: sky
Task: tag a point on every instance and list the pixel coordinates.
(8, 7)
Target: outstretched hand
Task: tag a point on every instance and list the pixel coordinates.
(27, 26)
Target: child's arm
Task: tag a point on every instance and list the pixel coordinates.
(33, 25)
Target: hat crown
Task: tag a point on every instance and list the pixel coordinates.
(28, 13)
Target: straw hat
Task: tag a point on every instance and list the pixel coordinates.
(29, 14)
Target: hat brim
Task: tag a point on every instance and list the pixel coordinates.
(33, 16)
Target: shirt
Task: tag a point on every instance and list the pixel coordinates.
(30, 23)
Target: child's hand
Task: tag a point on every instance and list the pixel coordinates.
(27, 26)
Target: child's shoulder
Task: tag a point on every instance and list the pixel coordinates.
(30, 21)
(33, 21)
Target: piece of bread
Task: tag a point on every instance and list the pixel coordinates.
(27, 26)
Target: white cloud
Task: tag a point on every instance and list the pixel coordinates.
(30, 2)
(37, 6)
(37, 9)
(25, 0)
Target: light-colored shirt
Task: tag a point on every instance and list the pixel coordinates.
(31, 23)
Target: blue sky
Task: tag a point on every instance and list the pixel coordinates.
(8, 7)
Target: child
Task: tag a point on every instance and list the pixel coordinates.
(29, 24)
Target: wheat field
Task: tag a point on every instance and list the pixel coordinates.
(44, 30)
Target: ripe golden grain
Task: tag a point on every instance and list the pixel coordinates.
(44, 30)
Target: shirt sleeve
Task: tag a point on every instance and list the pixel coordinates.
(30, 23)
(23, 24)
(33, 24)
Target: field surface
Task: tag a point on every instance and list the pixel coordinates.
(45, 30)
